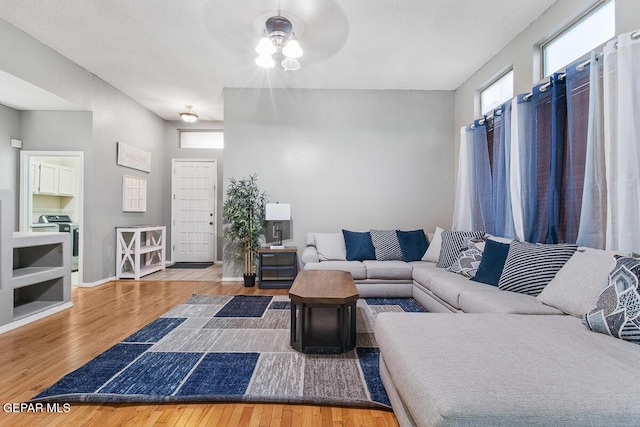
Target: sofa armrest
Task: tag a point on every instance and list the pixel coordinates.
(310, 254)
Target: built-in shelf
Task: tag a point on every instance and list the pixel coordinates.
(35, 271)
(28, 275)
(140, 251)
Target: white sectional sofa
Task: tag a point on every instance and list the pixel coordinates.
(509, 358)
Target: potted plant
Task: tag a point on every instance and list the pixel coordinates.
(244, 212)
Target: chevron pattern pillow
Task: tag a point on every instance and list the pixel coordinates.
(387, 245)
(469, 260)
(617, 311)
(530, 267)
(454, 242)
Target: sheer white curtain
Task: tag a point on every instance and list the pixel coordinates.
(593, 216)
(622, 141)
(520, 155)
(463, 209)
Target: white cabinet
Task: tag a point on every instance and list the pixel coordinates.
(48, 179)
(66, 181)
(54, 180)
(140, 250)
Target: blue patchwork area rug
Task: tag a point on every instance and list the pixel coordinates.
(232, 348)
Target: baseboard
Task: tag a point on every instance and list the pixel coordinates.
(232, 279)
(37, 316)
(97, 283)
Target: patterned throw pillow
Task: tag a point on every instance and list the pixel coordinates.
(387, 245)
(454, 242)
(530, 267)
(469, 260)
(617, 311)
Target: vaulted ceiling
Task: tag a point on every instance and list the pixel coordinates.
(169, 53)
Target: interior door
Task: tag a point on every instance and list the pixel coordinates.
(193, 210)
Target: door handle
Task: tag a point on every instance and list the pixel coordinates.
(211, 223)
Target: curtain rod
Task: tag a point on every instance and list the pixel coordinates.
(579, 67)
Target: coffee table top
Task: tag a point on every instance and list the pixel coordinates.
(323, 287)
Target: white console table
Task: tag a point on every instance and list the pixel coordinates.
(140, 250)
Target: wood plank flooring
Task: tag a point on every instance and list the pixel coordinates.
(36, 355)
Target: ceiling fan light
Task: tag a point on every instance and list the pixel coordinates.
(290, 64)
(292, 49)
(265, 46)
(188, 115)
(265, 61)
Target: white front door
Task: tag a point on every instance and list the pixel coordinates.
(193, 210)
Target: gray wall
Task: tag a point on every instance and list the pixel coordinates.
(354, 159)
(174, 151)
(9, 156)
(522, 53)
(115, 117)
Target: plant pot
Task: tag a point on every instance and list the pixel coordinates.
(249, 280)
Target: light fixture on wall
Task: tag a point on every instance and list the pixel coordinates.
(278, 37)
(189, 115)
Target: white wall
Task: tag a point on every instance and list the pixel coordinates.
(115, 117)
(354, 159)
(522, 53)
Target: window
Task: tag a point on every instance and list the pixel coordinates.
(497, 93)
(591, 31)
(201, 139)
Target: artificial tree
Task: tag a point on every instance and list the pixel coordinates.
(244, 212)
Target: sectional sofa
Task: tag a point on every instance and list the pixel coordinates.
(512, 358)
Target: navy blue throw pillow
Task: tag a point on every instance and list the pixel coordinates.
(413, 244)
(492, 262)
(359, 245)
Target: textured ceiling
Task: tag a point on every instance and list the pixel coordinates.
(168, 53)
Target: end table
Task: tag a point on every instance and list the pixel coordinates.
(277, 268)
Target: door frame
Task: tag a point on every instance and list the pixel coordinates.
(215, 204)
(26, 199)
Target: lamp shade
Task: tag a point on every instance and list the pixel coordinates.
(278, 212)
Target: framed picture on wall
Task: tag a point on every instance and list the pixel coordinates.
(134, 194)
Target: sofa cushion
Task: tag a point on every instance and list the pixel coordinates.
(490, 299)
(359, 245)
(413, 244)
(576, 287)
(392, 270)
(386, 245)
(506, 369)
(454, 242)
(530, 267)
(435, 245)
(617, 311)
(448, 287)
(469, 260)
(330, 246)
(492, 263)
(356, 268)
(423, 272)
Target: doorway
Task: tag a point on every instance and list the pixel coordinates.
(193, 210)
(51, 183)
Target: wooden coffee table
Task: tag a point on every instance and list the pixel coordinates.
(323, 312)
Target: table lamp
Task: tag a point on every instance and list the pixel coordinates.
(277, 214)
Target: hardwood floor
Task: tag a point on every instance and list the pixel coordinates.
(36, 355)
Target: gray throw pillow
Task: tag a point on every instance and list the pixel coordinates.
(617, 311)
(531, 266)
(576, 287)
(387, 245)
(469, 260)
(454, 242)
